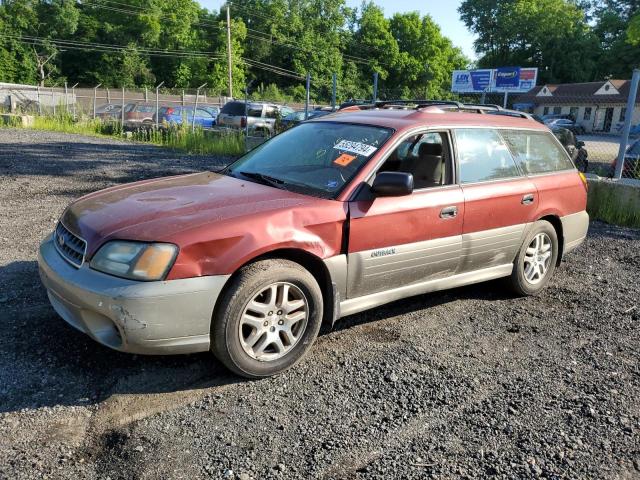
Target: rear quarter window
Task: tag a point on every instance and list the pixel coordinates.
(233, 108)
(537, 152)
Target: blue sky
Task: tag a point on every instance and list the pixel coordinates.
(444, 12)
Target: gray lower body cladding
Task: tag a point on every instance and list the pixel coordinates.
(168, 317)
(371, 278)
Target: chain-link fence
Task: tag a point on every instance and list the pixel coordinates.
(588, 119)
(144, 108)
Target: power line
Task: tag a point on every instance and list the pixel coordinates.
(107, 48)
(353, 58)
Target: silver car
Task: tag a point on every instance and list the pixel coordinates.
(261, 116)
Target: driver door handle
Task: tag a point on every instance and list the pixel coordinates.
(528, 199)
(449, 212)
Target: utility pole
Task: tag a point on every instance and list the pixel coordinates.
(375, 87)
(333, 91)
(306, 97)
(229, 52)
(631, 103)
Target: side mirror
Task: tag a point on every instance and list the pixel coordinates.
(392, 184)
(580, 144)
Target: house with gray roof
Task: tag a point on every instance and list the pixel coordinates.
(600, 107)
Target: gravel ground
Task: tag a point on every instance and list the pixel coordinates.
(466, 383)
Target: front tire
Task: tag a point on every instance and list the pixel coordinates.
(268, 318)
(536, 261)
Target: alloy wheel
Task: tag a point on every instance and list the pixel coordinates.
(273, 321)
(537, 258)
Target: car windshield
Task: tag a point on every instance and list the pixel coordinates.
(317, 158)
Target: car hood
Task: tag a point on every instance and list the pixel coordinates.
(164, 209)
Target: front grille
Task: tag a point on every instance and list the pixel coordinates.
(70, 246)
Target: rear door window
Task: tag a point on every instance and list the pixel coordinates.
(537, 152)
(254, 111)
(483, 156)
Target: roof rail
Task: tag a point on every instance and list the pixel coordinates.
(491, 109)
(417, 104)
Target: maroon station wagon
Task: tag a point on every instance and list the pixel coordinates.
(330, 218)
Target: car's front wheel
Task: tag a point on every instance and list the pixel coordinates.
(536, 260)
(267, 319)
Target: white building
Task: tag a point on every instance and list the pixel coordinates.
(599, 107)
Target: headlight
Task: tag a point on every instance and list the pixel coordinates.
(136, 261)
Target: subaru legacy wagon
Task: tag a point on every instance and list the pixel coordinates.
(332, 217)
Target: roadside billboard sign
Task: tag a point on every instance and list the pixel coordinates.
(507, 78)
(469, 81)
(498, 80)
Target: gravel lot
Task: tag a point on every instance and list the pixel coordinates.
(466, 383)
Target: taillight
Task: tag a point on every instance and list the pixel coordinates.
(243, 122)
(584, 180)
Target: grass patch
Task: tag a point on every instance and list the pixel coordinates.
(614, 203)
(199, 141)
(180, 138)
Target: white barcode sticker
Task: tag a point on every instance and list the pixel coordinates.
(355, 147)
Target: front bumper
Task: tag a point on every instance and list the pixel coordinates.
(168, 317)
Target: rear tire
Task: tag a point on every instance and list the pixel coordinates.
(268, 318)
(536, 260)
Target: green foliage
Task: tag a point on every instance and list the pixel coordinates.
(612, 204)
(633, 32)
(319, 37)
(569, 41)
(180, 138)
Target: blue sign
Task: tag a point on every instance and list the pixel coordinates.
(508, 78)
(481, 80)
(505, 79)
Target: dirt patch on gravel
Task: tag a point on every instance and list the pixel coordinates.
(465, 383)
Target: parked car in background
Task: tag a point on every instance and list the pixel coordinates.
(261, 117)
(575, 148)
(557, 116)
(109, 111)
(178, 115)
(631, 168)
(138, 114)
(212, 109)
(328, 219)
(298, 116)
(565, 123)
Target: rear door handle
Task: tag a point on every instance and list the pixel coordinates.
(449, 212)
(528, 199)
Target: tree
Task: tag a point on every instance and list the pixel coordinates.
(633, 32)
(426, 57)
(552, 35)
(275, 43)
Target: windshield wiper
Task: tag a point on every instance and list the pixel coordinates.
(264, 179)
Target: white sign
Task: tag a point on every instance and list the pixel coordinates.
(503, 79)
(355, 147)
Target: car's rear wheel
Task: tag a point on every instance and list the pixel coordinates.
(536, 261)
(267, 319)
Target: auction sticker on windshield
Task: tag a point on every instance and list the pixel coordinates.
(344, 159)
(355, 147)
